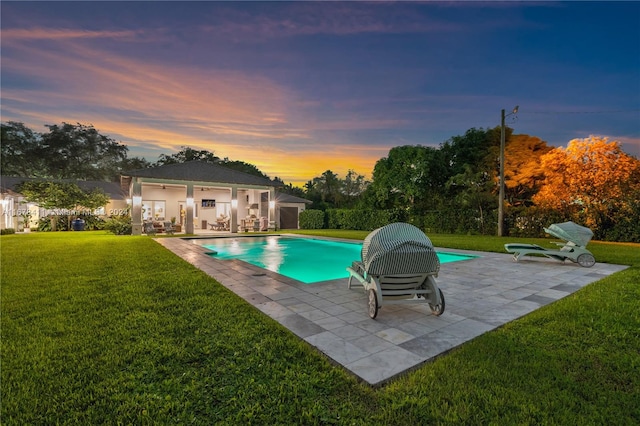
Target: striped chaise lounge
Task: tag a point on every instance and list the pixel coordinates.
(398, 265)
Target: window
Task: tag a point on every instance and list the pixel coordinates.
(223, 209)
(153, 210)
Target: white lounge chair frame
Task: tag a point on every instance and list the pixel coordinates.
(576, 238)
(399, 265)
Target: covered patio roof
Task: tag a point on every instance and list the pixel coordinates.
(198, 171)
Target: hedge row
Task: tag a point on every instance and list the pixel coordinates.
(519, 222)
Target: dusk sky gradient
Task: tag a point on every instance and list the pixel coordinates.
(297, 88)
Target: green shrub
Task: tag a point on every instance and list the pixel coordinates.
(359, 219)
(312, 219)
(92, 222)
(458, 221)
(531, 221)
(118, 225)
(7, 231)
(64, 222)
(335, 218)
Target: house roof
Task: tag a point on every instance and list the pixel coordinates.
(281, 197)
(11, 184)
(202, 172)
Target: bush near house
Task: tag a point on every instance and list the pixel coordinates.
(64, 222)
(118, 225)
(311, 219)
(360, 219)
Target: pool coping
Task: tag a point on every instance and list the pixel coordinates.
(481, 294)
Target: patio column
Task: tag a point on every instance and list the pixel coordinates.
(190, 203)
(136, 208)
(272, 209)
(234, 210)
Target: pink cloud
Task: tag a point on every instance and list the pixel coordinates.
(157, 108)
(13, 35)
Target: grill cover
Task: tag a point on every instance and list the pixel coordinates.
(571, 232)
(399, 248)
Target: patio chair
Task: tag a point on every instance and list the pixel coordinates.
(148, 228)
(398, 265)
(169, 228)
(576, 238)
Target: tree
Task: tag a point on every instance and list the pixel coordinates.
(67, 198)
(330, 191)
(589, 180)
(19, 151)
(241, 166)
(290, 189)
(353, 185)
(134, 163)
(472, 155)
(80, 152)
(523, 172)
(477, 148)
(327, 186)
(409, 176)
(67, 151)
(474, 194)
(187, 154)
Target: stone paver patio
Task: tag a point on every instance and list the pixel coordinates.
(481, 294)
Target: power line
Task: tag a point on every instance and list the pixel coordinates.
(580, 112)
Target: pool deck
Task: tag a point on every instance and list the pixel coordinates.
(481, 294)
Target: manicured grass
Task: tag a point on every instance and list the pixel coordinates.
(104, 329)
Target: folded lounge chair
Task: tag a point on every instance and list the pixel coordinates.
(398, 265)
(576, 238)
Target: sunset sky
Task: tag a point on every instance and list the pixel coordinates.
(297, 88)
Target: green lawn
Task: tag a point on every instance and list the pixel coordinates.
(103, 329)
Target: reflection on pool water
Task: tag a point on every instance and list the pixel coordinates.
(308, 260)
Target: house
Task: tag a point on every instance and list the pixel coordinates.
(200, 196)
(195, 195)
(288, 210)
(13, 205)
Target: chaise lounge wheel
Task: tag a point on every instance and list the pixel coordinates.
(373, 304)
(437, 310)
(586, 260)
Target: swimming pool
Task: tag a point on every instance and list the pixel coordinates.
(308, 260)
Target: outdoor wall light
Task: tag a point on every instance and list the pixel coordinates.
(137, 200)
(234, 204)
(272, 204)
(190, 202)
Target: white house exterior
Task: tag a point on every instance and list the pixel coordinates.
(13, 205)
(197, 195)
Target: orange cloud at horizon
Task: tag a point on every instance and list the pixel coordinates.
(297, 169)
(159, 108)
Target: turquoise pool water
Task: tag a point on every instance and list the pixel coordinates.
(304, 259)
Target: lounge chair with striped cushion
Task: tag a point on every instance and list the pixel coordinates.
(398, 265)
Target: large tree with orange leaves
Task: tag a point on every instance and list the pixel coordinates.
(592, 180)
(523, 171)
